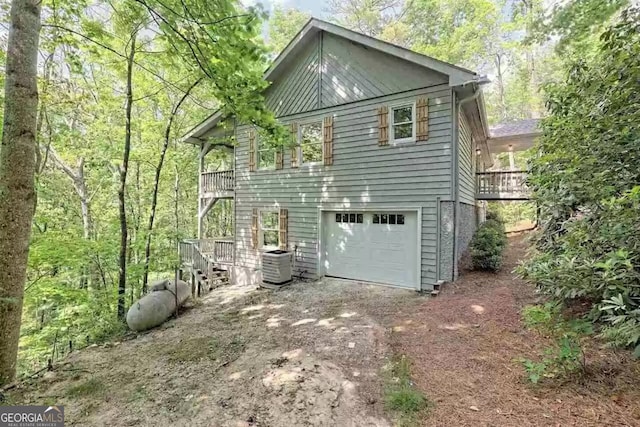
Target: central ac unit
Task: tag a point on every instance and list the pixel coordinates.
(276, 268)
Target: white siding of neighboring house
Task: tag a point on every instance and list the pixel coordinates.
(363, 174)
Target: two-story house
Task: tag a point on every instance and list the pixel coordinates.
(381, 183)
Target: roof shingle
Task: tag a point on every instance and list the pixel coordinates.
(522, 127)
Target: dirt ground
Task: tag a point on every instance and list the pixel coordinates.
(314, 354)
(310, 354)
(465, 347)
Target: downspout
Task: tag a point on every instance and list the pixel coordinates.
(235, 199)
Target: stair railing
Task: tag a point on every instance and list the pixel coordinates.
(191, 255)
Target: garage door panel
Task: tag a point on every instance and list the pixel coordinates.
(376, 252)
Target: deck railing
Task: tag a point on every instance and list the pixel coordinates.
(502, 185)
(218, 250)
(212, 182)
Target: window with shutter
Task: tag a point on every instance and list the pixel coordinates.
(284, 229)
(328, 141)
(310, 142)
(267, 155)
(269, 229)
(279, 158)
(422, 113)
(402, 120)
(383, 125)
(252, 150)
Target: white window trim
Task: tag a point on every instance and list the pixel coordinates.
(299, 142)
(258, 166)
(261, 230)
(390, 120)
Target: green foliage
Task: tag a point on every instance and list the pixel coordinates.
(566, 355)
(284, 24)
(401, 396)
(488, 243)
(460, 32)
(573, 22)
(370, 17)
(73, 261)
(585, 181)
(514, 212)
(622, 315)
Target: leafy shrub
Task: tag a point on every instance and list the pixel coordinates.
(623, 322)
(488, 244)
(493, 214)
(597, 259)
(566, 355)
(585, 179)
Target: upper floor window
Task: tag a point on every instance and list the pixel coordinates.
(403, 120)
(266, 156)
(310, 140)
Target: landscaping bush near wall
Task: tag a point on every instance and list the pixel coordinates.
(488, 244)
(585, 181)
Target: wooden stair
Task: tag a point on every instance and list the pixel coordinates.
(207, 283)
(205, 272)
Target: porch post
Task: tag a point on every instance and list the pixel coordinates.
(200, 170)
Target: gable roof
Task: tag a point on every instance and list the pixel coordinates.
(457, 75)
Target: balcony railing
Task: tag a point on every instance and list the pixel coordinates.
(502, 185)
(217, 182)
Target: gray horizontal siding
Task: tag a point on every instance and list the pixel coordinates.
(332, 71)
(466, 163)
(363, 175)
(351, 72)
(297, 90)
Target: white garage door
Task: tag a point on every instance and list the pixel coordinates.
(376, 247)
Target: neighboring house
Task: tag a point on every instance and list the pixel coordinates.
(381, 183)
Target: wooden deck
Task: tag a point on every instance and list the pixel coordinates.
(502, 185)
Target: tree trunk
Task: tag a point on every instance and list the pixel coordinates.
(531, 60)
(122, 274)
(156, 185)
(17, 170)
(176, 205)
(501, 92)
(80, 186)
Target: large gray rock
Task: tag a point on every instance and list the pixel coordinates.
(156, 307)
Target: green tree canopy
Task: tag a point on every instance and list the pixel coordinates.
(284, 24)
